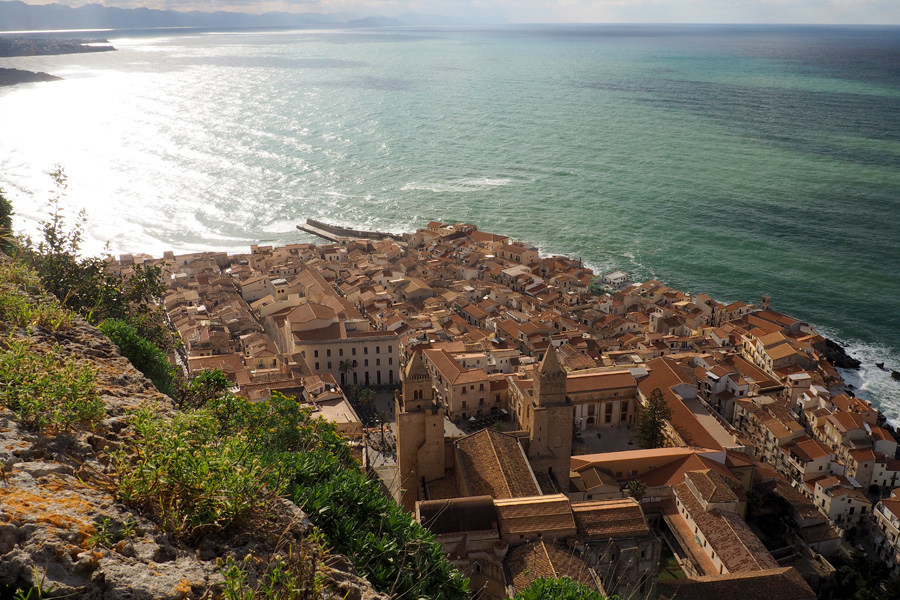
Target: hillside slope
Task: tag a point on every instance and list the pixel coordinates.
(62, 530)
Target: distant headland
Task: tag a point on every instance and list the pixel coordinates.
(42, 47)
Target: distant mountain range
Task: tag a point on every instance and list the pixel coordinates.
(18, 16)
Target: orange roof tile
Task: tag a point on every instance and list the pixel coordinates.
(494, 464)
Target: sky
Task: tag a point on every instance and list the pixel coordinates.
(879, 12)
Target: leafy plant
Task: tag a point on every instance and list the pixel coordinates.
(295, 578)
(143, 354)
(203, 386)
(108, 533)
(18, 309)
(39, 591)
(212, 466)
(562, 588)
(6, 237)
(83, 284)
(46, 389)
(636, 489)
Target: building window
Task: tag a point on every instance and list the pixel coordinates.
(377, 362)
(366, 363)
(365, 349)
(353, 351)
(329, 365)
(389, 349)
(463, 403)
(315, 353)
(317, 366)
(377, 349)
(340, 351)
(390, 360)
(328, 353)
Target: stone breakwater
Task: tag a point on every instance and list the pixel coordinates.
(55, 499)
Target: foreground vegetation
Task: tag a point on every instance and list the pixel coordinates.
(563, 588)
(219, 462)
(208, 468)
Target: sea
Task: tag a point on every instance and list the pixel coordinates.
(732, 160)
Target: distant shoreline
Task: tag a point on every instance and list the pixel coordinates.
(18, 47)
(16, 76)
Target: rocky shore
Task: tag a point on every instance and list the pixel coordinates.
(837, 356)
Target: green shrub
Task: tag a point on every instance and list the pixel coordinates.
(297, 578)
(17, 309)
(559, 589)
(201, 388)
(6, 237)
(143, 354)
(210, 467)
(83, 284)
(190, 477)
(47, 389)
(387, 546)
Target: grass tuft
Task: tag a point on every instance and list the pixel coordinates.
(47, 389)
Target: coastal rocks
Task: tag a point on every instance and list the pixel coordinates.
(62, 527)
(837, 356)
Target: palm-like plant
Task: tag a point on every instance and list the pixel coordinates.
(636, 489)
(345, 368)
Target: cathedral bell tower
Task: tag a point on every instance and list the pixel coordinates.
(550, 427)
(420, 433)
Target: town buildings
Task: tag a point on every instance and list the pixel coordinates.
(474, 328)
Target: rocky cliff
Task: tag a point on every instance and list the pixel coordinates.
(62, 530)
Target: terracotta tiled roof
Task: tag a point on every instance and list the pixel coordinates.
(577, 382)
(494, 464)
(734, 543)
(548, 515)
(443, 488)
(457, 515)
(665, 374)
(770, 584)
(673, 472)
(605, 519)
(531, 561)
(711, 486)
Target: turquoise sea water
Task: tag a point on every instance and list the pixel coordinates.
(735, 161)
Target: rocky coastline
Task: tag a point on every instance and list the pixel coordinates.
(837, 355)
